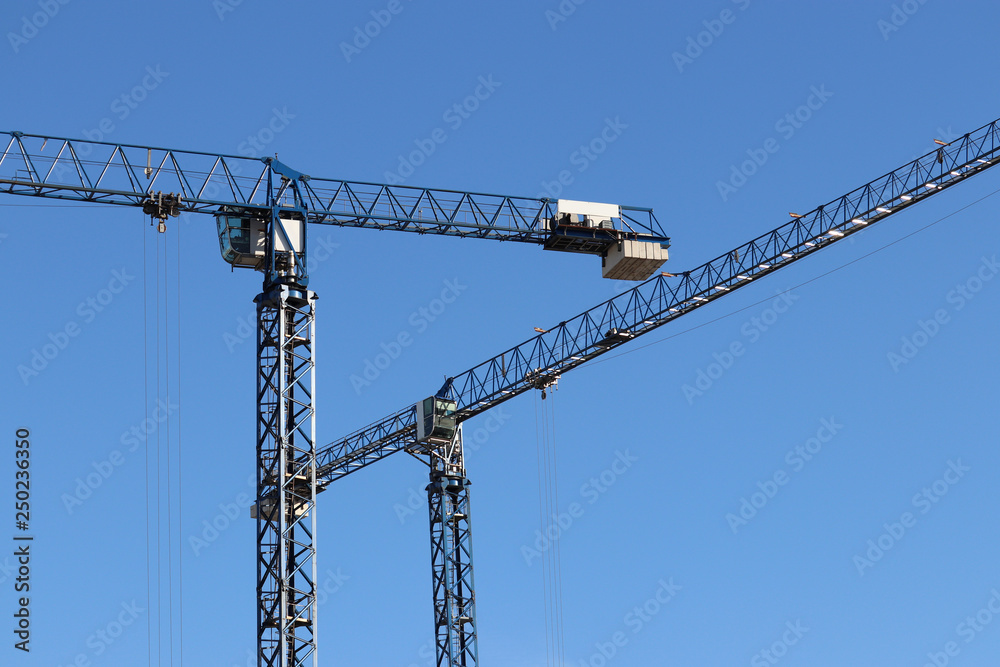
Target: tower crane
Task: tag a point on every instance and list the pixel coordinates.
(262, 210)
(431, 428)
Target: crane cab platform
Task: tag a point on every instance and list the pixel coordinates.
(436, 420)
(243, 236)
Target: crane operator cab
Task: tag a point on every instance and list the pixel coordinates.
(243, 237)
(436, 420)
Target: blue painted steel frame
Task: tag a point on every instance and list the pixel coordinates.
(116, 174)
(286, 481)
(666, 297)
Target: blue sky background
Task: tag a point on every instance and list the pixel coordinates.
(897, 76)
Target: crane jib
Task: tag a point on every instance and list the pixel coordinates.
(129, 175)
(667, 296)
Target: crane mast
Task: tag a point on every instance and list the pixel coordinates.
(453, 586)
(286, 432)
(286, 477)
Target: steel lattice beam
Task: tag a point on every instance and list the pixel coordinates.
(667, 297)
(286, 479)
(129, 175)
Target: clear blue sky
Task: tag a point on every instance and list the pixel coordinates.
(884, 80)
